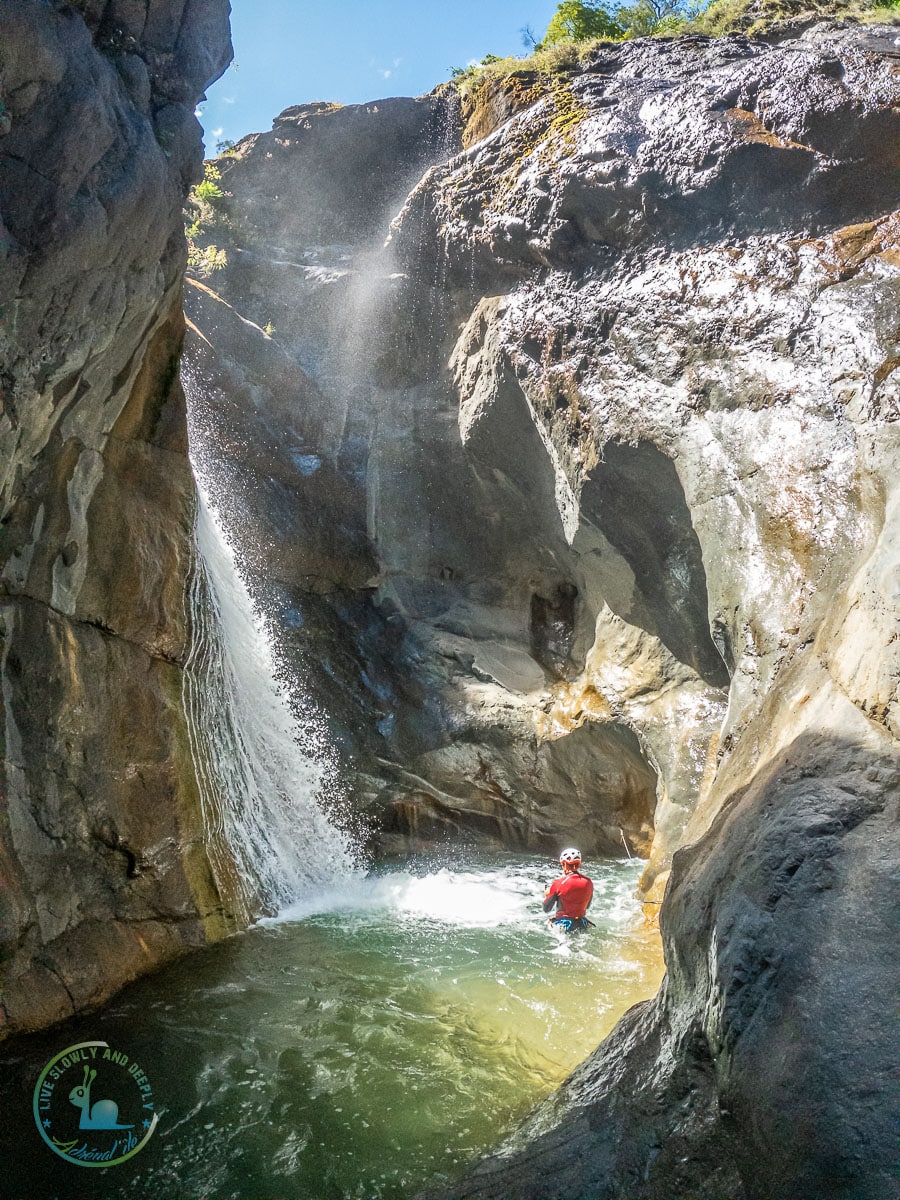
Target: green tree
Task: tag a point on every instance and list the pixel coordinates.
(650, 16)
(580, 21)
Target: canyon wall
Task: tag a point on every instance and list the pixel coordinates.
(575, 505)
(704, 291)
(559, 422)
(427, 611)
(104, 873)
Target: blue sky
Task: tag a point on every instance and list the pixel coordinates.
(290, 51)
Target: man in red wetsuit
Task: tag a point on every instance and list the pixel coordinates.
(571, 894)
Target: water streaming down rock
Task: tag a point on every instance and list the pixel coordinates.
(261, 776)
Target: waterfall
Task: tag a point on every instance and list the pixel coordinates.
(261, 783)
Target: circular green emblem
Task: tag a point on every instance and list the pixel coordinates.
(93, 1105)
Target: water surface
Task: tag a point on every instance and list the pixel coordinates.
(360, 1046)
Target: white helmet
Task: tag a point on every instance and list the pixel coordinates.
(571, 857)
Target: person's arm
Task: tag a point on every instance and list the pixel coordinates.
(551, 897)
(590, 894)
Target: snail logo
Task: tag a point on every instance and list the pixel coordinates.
(94, 1106)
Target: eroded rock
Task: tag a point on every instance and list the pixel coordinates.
(104, 871)
(619, 404)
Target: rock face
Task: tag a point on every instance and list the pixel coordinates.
(430, 639)
(103, 870)
(584, 526)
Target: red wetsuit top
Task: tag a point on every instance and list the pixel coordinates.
(573, 894)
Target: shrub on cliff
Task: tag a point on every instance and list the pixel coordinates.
(756, 16)
(202, 213)
(578, 26)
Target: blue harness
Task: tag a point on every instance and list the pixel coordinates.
(572, 924)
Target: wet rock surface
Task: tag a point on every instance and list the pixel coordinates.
(603, 456)
(104, 872)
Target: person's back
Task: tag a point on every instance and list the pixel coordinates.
(570, 894)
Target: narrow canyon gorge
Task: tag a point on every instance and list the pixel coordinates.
(553, 420)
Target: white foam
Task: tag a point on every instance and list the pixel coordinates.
(468, 899)
(462, 899)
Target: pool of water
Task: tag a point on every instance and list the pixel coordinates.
(359, 1046)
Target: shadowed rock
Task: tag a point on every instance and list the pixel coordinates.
(752, 1074)
(636, 501)
(104, 871)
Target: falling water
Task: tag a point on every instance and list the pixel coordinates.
(261, 783)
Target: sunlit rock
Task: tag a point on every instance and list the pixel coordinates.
(608, 433)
